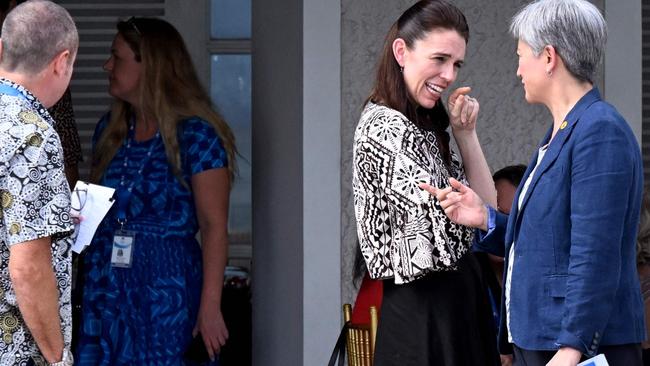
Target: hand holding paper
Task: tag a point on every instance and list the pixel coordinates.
(595, 361)
(90, 202)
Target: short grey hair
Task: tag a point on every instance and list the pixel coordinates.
(575, 28)
(34, 33)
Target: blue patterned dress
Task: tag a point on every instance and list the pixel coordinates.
(144, 315)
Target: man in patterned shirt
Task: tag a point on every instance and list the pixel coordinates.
(63, 115)
(37, 52)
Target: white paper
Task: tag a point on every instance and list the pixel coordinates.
(595, 361)
(98, 200)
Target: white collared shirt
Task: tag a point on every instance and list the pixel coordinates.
(511, 253)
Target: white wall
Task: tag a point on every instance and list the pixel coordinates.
(321, 178)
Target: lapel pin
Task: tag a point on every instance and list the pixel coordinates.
(563, 125)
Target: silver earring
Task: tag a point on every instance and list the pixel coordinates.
(401, 69)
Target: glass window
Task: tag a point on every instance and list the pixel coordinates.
(231, 19)
(231, 93)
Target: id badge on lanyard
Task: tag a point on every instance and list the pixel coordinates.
(122, 253)
(123, 240)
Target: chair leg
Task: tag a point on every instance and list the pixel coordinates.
(366, 344)
(347, 314)
(374, 320)
(354, 361)
(350, 351)
(362, 347)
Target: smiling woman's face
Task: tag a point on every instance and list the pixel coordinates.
(431, 65)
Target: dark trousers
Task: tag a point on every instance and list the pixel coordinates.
(623, 355)
(646, 357)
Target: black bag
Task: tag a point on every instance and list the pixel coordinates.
(340, 347)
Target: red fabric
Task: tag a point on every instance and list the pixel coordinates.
(370, 293)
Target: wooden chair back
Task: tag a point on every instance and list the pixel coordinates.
(360, 338)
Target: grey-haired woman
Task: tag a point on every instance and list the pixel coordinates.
(571, 287)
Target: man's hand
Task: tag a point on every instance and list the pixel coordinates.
(33, 279)
(565, 356)
(506, 360)
(461, 204)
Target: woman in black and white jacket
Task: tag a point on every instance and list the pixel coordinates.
(435, 309)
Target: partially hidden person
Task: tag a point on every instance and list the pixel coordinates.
(149, 287)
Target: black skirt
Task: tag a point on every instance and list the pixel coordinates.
(442, 319)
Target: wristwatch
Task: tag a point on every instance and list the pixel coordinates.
(66, 360)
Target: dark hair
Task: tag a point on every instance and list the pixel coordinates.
(512, 174)
(390, 90)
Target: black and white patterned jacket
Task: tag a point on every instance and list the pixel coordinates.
(403, 231)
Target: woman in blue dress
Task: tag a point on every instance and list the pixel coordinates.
(148, 286)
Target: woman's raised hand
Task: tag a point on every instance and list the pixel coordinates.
(463, 110)
(461, 204)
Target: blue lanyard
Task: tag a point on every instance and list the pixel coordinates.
(124, 193)
(8, 90)
(7, 87)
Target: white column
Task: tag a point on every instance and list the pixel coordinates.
(321, 178)
(278, 269)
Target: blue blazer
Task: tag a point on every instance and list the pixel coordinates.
(574, 278)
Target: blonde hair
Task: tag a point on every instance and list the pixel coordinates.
(170, 93)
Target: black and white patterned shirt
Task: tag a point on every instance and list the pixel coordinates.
(403, 232)
(35, 201)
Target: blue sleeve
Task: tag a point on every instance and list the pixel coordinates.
(493, 240)
(203, 147)
(491, 224)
